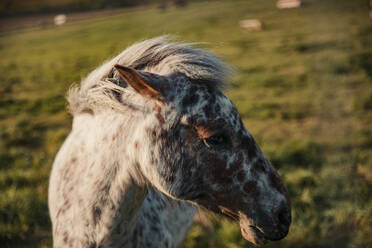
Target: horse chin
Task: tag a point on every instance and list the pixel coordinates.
(253, 234)
(249, 231)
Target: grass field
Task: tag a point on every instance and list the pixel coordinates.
(303, 86)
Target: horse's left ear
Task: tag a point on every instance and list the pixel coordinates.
(145, 87)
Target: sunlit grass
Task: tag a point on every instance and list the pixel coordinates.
(303, 86)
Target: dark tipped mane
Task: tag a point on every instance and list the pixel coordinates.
(157, 55)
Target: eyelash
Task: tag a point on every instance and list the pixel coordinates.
(216, 140)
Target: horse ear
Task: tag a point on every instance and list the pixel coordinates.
(139, 84)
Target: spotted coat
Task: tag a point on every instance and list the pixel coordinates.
(153, 137)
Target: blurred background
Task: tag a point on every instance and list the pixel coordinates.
(303, 86)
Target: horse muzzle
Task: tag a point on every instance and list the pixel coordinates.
(264, 228)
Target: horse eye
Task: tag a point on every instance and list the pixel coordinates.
(216, 140)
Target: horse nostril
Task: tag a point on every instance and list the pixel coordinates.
(285, 217)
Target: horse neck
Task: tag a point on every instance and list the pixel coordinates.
(118, 189)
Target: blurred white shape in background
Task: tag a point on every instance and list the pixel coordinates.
(251, 24)
(287, 4)
(60, 19)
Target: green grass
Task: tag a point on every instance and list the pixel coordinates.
(303, 87)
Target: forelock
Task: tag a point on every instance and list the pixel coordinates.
(161, 56)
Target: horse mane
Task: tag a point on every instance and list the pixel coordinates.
(160, 55)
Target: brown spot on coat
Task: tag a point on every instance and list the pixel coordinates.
(241, 176)
(96, 214)
(158, 115)
(87, 111)
(238, 162)
(65, 237)
(250, 187)
(260, 167)
(275, 182)
(190, 99)
(217, 170)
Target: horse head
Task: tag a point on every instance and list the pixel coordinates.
(195, 147)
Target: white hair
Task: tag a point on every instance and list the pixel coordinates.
(157, 55)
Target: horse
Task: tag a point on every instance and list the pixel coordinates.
(153, 138)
